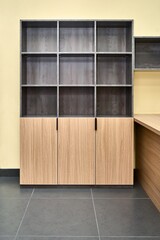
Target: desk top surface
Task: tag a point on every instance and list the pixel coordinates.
(150, 121)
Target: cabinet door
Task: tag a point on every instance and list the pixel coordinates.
(38, 153)
(76, 151)
(114, 151)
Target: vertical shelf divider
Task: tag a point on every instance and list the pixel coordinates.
(133, 63)
(58, 68)
(95, 70)
(21, 68)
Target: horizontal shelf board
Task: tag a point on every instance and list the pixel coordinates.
(38, 116)
(114, 116)
(146, 69)
(76, 53)
(38, 85)
(39, 53)
(76, 85)
(114, 85)
(114, 53)
(76, 20)
(76, 116)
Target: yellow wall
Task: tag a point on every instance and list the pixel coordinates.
(146, 22)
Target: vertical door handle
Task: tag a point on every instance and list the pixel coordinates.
(57, 124)
(96, 124)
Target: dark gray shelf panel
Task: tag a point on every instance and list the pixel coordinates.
(76, 36)
(147, 53)
(76, 101)
(114, 36)
(39, 36)
(38, 69)
(114, 101)
(76, 69)
(39, 101)
(114, 69)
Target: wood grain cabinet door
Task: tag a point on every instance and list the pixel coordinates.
(114, 151)
(76, 151)
(38, 151)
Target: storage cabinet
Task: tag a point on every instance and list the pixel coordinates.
(114, 151)
(76, 151)
(147, 53)
(75, 71)
(38, 151)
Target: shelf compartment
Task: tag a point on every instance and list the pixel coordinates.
(39, 101)
(114, 36)
(76, 101)
(39, 69)
(38, 36)
(114, 69)
(147, 53)
(76, 36)
(77, 69)
(114, 101)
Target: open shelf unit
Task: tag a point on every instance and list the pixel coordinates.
(147, 53)
(77, 68)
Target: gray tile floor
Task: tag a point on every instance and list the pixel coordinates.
(81, 213)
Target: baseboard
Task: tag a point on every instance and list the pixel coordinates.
(9, 172)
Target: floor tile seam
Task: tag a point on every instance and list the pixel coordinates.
(95, 215)
(57, 236)
(131, 236)
(95, 198)
(62, 199)
(24, 215)
(44, 236)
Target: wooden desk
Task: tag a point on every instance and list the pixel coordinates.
(148, 154)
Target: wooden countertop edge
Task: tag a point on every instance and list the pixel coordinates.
(146, 125)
